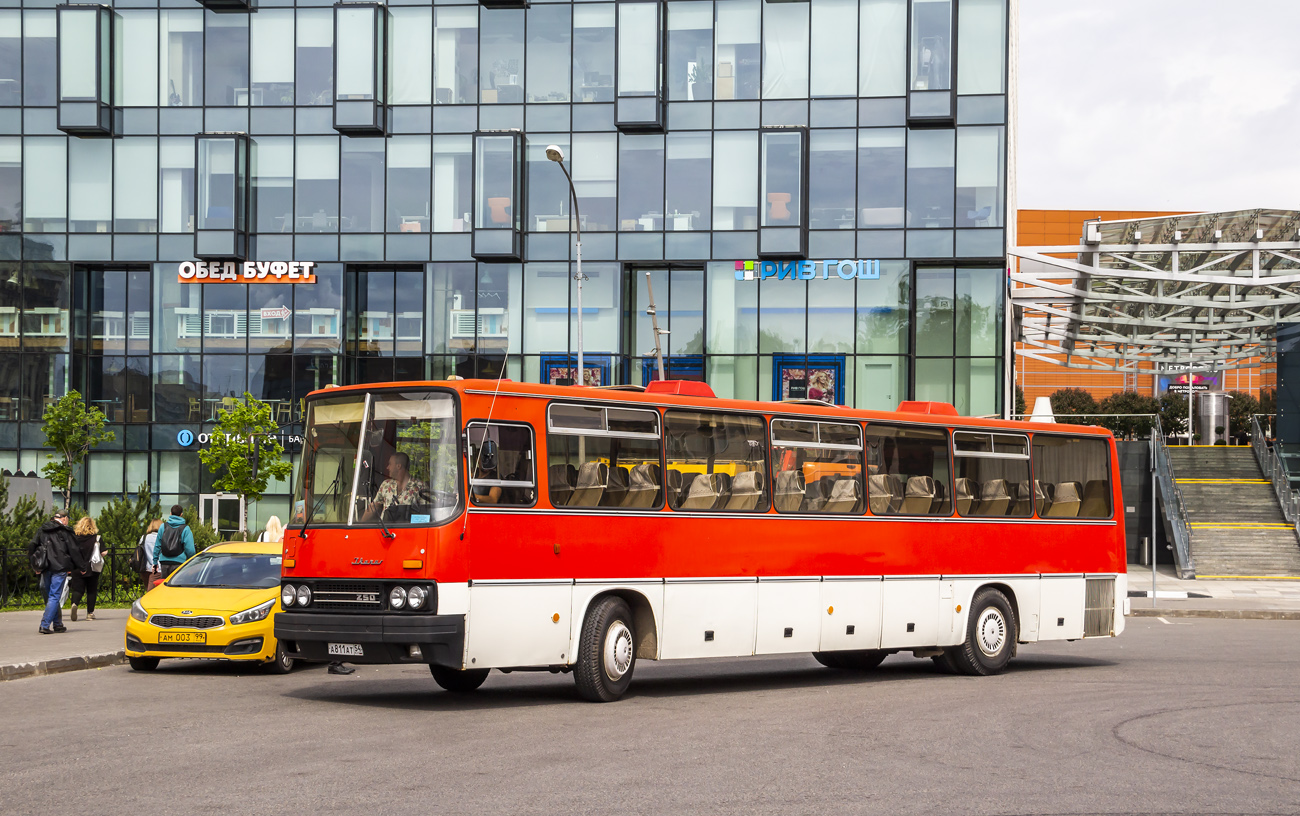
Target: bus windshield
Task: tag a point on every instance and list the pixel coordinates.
(388, 459)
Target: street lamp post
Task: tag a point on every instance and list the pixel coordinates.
(555, 154)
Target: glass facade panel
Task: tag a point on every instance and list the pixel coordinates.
(930, 178)
(831, 177)
(225, 51)
(11, 187)
(782, 178)
(641, 188)
(314, 57)
(361, 182)
(45, 183)
(78, 66)
(453, 182)
(881, 177)
(638, 49)
(931, 59)
(316, 184)
(410, 56)
(11, 58)
(271, 69)
(135, 50)
(180, 42)
(273, 183)
(501, 56)
(785, 50)
(834, 44)
(494, 183)
(176, 175)
(934, 312)
(595, 178)
(135, 192)
(593, 52)
(686, 181)
(455, 55)
(409, 166)
(981, 46)
(882, 65)
(550, 42)
(90, 185)
(355, 57)
(690, 51)
(737, 70)
(217, 183)
(980, 173)
(549, 202)
(735, 179)
(40, 46)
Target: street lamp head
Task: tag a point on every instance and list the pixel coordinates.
(554, 153)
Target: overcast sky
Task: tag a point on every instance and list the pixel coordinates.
(1159, 104)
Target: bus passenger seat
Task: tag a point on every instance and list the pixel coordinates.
(724, 490)
(673, 486)
(1065, 500)
(995, 499)
(615, 488)
(703, 492)
(746, 490)
(967, 496)
(884, 494)
(561, 484)
(844, 497)
(1024, 500)
(816, 494)
(1043, 497)
(919, 495)
(789, 491)
(592, 478)
(643, 486)
(1096, 499)
(684, 490)
(942, 505)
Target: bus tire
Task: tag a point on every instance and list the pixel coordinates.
(458, 681)
(990, 635)
(830, 660)
(606, 651)
(944, 662)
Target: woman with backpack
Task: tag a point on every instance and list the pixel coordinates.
(175, 544)
(143, 559)
(86, 534)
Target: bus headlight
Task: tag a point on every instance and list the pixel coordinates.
(416, 596)
(304, 595)
(397, 598)
(287, 595)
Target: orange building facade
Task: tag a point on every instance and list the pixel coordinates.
(1036, 228)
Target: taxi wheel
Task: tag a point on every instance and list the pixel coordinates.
(456, 680)
(143, 663)
(282, 663)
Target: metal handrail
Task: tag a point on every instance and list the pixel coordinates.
(1175, 510)
(1271, 465)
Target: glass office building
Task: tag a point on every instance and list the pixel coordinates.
(818, 191)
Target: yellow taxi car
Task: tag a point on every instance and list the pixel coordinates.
(220, 604)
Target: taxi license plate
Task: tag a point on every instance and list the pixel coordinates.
(182, 637)
(353, 649)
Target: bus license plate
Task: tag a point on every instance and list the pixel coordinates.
(182, 637)
(353, 649)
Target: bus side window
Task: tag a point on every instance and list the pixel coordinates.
(1071, 477)
(501, 464)
(817, 466)
(907, 471)
(715, 462)
(992, 471)
(603, 457)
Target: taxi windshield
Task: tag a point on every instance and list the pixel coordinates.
(229, 570)
(383, 459)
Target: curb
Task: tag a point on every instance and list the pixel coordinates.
(17, 671)
(1231, 614)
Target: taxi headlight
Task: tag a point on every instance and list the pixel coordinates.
(304, 595)
(287, 594)
(397, 598)
(257, 613)
(137, 612)
(415, 597)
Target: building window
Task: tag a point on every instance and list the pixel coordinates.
(981, 46)
(361, 185)
(135, 51)
(135, 189)
(501, 56)
(409, 163)
(930, 177)
(176, 173)
(411, 53)
(180, 35)
(497, 199)
(40, 58)
(360, 42)
(316, 184)
(831, 178)
(11, 63)
(271, 69)
(593, 52)
(314, 57)
(225, 54)
(550, 40)
(640, 65)
(641, 187)
(690, 51)
(785, 51)
(980, 172)
(222, 196)
(85, 76)
(686, 181)
(783, 174)
(738, 72)
(834, 41)
(453, 184)
(735, 180)
(455, 47)
(930, 61)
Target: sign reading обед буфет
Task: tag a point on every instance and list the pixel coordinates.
(246, 272)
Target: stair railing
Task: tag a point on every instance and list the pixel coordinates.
(1174, 509)
(1274, 468)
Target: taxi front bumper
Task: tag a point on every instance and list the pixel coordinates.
(254, 642)
(438, 639)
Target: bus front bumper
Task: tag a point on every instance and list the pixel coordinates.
(438, 639)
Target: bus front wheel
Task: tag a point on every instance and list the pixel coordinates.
(457, 680)
(990, 635)
(606, 651)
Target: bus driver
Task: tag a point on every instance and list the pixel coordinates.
(398, 489)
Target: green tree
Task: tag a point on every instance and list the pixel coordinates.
(72, 430)
(122, 521)
(204, 535)
(1139, 411)
(1072, 401)
(1022, 407)
(1173, 413)
(1241, 408)
(18, 526)
(244, 452)
(1268, 400)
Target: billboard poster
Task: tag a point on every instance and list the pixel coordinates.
(1197, 383)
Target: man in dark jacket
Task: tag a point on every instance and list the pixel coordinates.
(61, 557)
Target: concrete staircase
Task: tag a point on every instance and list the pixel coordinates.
(1236, 526)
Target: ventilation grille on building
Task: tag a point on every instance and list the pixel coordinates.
(1099, 607)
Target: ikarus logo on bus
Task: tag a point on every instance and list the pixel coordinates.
(808, 270)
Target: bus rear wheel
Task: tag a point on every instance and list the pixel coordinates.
(457, 680)
(859, 659)
(606, 651)
(990, 636)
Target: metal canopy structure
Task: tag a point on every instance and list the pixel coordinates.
(1174, 293)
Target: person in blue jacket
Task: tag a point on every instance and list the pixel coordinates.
(174, 545)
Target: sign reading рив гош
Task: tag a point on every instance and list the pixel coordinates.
(246, 272)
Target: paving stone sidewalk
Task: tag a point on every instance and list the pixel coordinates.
(25, 652)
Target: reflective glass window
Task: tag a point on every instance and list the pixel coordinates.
(11, 188)
(881, 176)
(45, 183)
(135, 192)
(501, 464)
(1071, 477)
(715, 462)
(550, 206)
(930, 177)
(453, 182)
(495, 168)
(44, 381)
(45, 319)
(314, 57)
(409, 166)
(595, 178)
(271, 69)
(318, 314)
(785, 51)
(934, 312)
(361, 184)
(273, 183)
(357, 54)
(992, 474)
(455, 55)
(593, 52)
(882, 61)
(317, 184)
(931, 58)
(830, 315)
(180, 41)
(270, 326)
(834, 45)
(550, 36)
(832, 165)
(738, 69)
(40, 45)
(641, 182)
(135, 50)
(501, 56)
(980, 170)
(452, 313)
(981, 46)
(690, 51)
(735, 179)
(410, 49)
(907, 471)
(217, 184)
(782, 317)
(176, 176)
(686, 181)
(817, 467)
(90, 185)
(79, 76)
(978, 317)
(11, 63)
(638, 48)
(225, 52)
(883, 311)
(782, 178)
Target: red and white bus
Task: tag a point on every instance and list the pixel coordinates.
(480, 524)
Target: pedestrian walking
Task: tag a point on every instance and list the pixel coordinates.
(175, 544)
(86, 583)
(274, 532)
(53, 554)
(142, 559)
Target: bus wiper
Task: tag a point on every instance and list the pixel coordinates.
(311, 511)
(387, 533)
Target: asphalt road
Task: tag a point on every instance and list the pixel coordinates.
(1191, 716)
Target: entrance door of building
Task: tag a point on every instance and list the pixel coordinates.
(223, 512)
